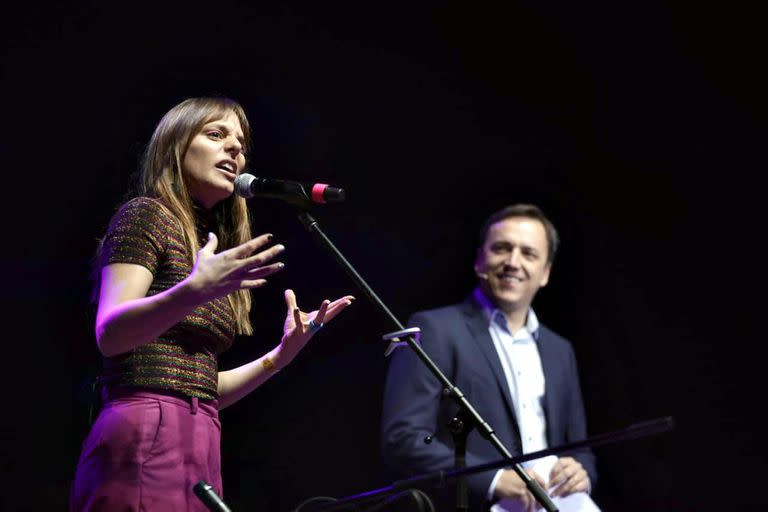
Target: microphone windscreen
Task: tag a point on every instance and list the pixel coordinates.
(243, 185)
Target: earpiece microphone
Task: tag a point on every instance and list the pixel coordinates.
(481, 275)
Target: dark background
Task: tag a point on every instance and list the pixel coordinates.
(638, 126)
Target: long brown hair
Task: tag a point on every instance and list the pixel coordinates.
(161, 178)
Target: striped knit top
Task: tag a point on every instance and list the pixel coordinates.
(183, 359)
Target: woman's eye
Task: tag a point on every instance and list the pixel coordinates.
(215, 134)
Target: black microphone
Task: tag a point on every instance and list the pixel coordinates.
(248, 186)
(209, 497)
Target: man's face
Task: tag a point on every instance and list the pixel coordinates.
(512, 264)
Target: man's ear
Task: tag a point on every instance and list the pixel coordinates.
(545, 275)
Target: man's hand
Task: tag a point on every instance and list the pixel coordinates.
(511, 486)
(570, 475)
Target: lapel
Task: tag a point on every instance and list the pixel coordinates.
(551, 373)
(478, 327)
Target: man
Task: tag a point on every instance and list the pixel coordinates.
(519, 375)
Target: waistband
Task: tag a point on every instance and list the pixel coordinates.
(194, 404)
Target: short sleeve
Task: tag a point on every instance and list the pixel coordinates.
(135, 234)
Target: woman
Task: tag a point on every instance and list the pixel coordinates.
(176, 266)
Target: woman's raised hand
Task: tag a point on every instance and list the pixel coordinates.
(217, 275)
(300, 326)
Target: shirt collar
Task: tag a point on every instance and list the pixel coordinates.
(494, 314)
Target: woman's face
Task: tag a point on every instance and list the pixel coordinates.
(213, 160)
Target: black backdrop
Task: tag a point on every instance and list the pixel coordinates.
(638, 126)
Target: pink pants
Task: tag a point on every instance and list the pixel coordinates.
(146, 451)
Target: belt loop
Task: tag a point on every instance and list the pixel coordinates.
(194, 405)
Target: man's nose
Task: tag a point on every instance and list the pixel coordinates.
(513, 258)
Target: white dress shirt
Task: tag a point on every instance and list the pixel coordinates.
(520, 359)
(521, 363)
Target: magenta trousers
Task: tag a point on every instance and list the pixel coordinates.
(146, 451)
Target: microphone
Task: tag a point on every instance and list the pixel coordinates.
(481, 275)
(208, 496)
(248, 186)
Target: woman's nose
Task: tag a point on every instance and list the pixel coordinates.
(234, 146)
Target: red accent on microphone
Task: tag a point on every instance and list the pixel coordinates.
(317, 192)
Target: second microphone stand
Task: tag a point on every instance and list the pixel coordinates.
(440, 478)
(468, 417)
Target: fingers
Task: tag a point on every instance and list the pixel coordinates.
(345, 299)
(290, 299)
(320, 316)
(211, 244)
(577, 482)
(558, 483)
(535, 476)
(297, 319)
(558, 472)
(263, 271)
(252, 283)
(262, 257)
(323, 314)
(528, 501)
(337, 306)
(568, 476)
(293, 308)
(246, 249)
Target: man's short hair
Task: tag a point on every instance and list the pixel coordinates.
(529, 211)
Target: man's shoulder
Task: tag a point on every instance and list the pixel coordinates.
(547, 335)
(448, 315)
(442, 312)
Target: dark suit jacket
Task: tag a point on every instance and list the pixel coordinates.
(457, 339)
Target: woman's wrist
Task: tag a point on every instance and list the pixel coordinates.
(190, 292)
(273, 361)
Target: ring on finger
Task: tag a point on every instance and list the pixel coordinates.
(314, 326)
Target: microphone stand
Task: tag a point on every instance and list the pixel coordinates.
(470, 418)
(459, 427)
(440, 478)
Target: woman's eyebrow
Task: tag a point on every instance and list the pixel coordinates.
(225, 128)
